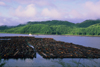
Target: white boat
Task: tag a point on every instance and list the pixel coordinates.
(30, 34)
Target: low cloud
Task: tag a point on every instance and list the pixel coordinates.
(0, 14)
(8, 21)
(27, 12)
(74, 14)
(87, 10)
(92, 9)
(51, 13)
(2, 3)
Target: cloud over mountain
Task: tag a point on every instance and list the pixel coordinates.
(41, 10)
(2, 3)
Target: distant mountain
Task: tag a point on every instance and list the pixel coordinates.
(88, 27)
(91, 30)
(87, 23)
(53, 22)
(5, 27)
(94, 29)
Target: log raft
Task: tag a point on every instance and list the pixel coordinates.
(18, 47)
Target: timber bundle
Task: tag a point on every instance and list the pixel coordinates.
(18, 46)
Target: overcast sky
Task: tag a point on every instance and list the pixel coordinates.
(14, 12)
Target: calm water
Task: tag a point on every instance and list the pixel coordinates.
(39, 61)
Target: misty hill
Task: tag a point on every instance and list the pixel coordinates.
(92, 27)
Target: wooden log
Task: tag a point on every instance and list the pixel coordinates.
(16, 53)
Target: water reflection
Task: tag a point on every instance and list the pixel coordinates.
(74, 62)
(54, 62)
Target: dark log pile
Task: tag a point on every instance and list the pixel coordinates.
(46, 47)
(15, 47)
(49, 48)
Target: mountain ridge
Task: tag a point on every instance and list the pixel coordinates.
(55, 27)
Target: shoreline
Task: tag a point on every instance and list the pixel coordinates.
(58, 35)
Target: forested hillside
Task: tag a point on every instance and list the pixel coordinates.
(87, 23)
(54, 22)
(91, 30)
(88, 27)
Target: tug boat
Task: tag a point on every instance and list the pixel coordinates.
(30, 34)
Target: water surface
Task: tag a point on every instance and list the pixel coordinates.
(39, 61)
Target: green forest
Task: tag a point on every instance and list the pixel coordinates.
(55, 27)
